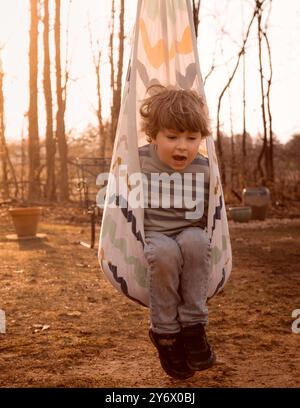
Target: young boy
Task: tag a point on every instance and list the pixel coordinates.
(177, 247)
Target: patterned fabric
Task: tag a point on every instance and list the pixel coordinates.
(167, 192)
(164, 51)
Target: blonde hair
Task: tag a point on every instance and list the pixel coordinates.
(173, 108)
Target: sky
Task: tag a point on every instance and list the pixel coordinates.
(221, 29)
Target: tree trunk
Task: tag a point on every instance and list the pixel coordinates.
(99, 108)
(112, 74)
(3, 148)
(270, 155)
(50, 141)
(96, 54)
(244, 149)
(33, 128)
(23, 164)
(233, 172)
(196, 8)
(118, 88)
(60, 120)
(264, 150)
(4, 153)
(219, 141)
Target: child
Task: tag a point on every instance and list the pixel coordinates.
(177, 247)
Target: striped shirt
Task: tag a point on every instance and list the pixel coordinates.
(174, 200)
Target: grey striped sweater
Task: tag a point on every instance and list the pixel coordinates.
(174, 200)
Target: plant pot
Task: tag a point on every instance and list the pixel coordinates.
(240, 214)
(25, 220)
(258, 198)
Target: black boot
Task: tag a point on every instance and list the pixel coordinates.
(199, 355)
(171, 354)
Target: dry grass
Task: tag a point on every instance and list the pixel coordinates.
(67, 327)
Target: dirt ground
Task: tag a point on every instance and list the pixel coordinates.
(66, 326)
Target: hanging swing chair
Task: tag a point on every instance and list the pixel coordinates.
(164, 51)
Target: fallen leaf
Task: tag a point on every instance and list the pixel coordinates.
(75, 313)
(37, 326)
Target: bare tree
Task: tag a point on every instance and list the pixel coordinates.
(196, 9)
(4, 154)
(244, 136)
(233, 168)
(96, 54)
(116, 83)
(233, 163)
(118, 90)
(270, 129)
(3, 147)
(33, 129)
(226, 87)
(23, 159)
(112, 71)
(60, 115)
(263, 152)
(50, 141)
(266, 153)
(270, 169)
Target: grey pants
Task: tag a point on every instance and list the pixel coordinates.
(178, 269)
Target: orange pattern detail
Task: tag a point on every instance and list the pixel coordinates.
(185, 46)
(156, 54)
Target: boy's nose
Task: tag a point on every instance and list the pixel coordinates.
(181, 144)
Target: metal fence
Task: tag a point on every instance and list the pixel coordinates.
(84, 172)
(82, 175)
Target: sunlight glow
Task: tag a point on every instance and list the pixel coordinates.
(284, 35)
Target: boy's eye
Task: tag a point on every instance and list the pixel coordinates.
(171, 137)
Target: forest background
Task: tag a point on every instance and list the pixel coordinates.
(67, 126)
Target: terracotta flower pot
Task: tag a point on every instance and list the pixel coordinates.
(25, 220)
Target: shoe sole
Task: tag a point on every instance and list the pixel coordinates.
(166, 369)
(206, 364)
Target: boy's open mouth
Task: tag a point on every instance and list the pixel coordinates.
(179, 157)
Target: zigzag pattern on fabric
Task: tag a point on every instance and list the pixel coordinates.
(217, 214)
(128, 214)
(157, 53)
(185, 80)
(123, 285)
(220, 284)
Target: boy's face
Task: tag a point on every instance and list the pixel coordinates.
(177, 149)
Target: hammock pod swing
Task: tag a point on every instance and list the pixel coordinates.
(164, 51)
